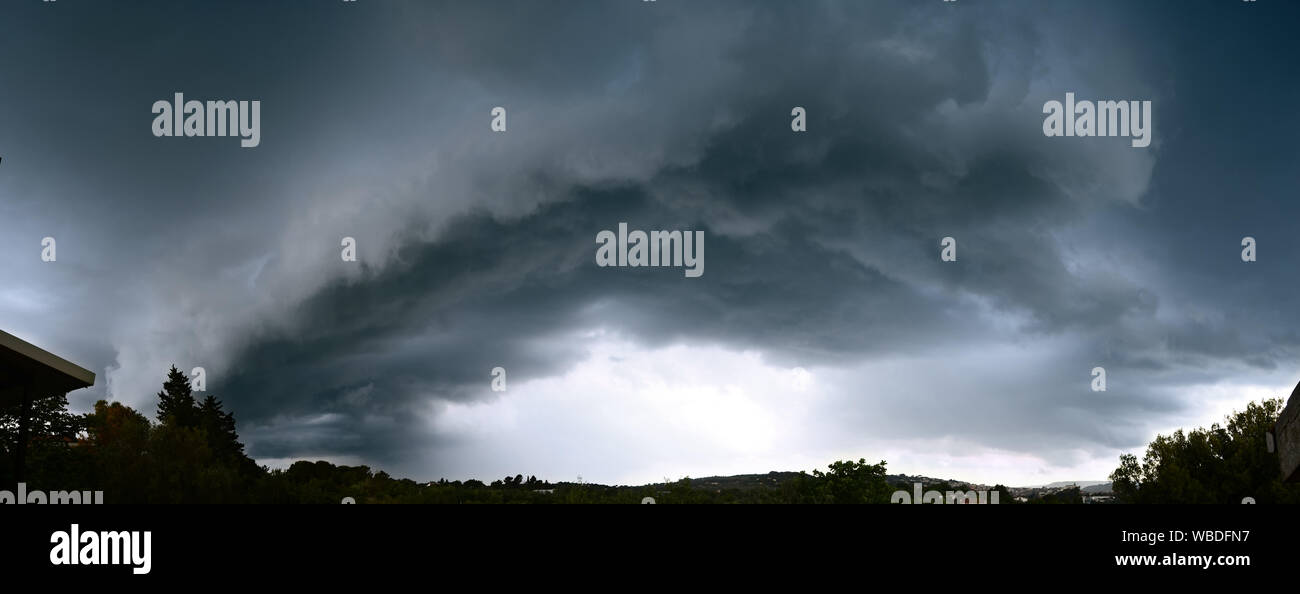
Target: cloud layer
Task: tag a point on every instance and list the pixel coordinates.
(825, 324)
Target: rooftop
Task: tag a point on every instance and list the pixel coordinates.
(24, 366)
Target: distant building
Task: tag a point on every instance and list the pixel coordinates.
(1285, 438)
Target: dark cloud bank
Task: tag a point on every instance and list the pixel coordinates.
(821, 249)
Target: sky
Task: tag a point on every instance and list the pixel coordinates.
(826, 324)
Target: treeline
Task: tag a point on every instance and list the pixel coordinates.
(1222, 464)
(843, 482)
(191, 453)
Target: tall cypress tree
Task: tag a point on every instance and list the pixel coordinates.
(176, 404)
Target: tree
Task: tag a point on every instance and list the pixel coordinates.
(192, 456)
(176, 404)
(48, 419)
(50, 431)
(219, 428)
(855, 482)
(1221, 464)
(117, 443)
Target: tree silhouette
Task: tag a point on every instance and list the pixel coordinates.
(1221, 464)
(219, 427)
(176, 404)
(855, 482)
(51, 428)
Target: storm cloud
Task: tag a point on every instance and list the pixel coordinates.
(825, 324)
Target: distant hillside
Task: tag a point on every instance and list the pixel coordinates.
(1081, 484)
(744, 481)
(775, 478)
(1097, 488)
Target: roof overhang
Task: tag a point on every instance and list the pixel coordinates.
(26, 368)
